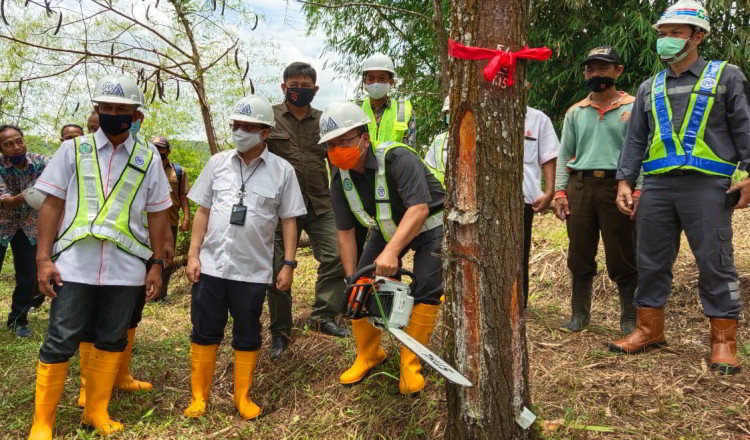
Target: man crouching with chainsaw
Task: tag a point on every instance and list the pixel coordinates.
(385, 186)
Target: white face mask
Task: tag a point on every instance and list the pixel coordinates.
(244, 141)
(378, 90)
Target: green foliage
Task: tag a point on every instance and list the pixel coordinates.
(355, 32)
(571, 28)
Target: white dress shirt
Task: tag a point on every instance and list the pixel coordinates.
(245, 253)
(100, 262)
(540, 146)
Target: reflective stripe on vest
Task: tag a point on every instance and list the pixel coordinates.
(383, 213)
(393, 124)
(688, 150)
(436, 155)
(106, 219)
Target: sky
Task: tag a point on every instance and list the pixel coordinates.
(284, 23)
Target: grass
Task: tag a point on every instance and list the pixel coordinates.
(578, 386)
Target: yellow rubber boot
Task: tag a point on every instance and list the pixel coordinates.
(202, 363)
(420, 327)
(101, 373)
(84, 350)
(369, 352)
(50, 383)
(124, 380)
(244, 366)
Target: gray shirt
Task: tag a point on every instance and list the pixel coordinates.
(409, 182)
(727, 131)
(245, 253)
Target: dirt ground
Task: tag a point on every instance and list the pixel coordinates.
(578, 387)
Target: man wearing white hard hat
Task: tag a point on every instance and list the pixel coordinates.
(95, 256)
(390, 119)
(388, 188)
(690, 132)
(241, 195)
(19, 170)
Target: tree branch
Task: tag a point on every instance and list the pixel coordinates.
(369, 5)
(46, 76)
(143, 25)
(97, 55)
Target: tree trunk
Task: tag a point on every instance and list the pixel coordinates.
(442, 41)
(206, 114)
(485, 335)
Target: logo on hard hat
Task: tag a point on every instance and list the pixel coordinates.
(244, 109)
(348, 185)
(381, 191)
(112, 89)
(701, 14)
(329, 125)
(670, 14)
(708, 83)
(85, 148)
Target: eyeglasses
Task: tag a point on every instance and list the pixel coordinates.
(345, 142)
(245, 128)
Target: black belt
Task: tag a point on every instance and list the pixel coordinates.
(682, 172)
(597, 174)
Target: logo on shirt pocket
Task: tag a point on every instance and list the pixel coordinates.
(624, 116)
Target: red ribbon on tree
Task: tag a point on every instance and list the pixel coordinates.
(498, 58)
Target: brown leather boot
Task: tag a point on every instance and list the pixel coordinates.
(724, 346)
(648, 333)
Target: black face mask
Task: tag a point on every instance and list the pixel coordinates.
(115, 125)
(299, 96)
(600, 83)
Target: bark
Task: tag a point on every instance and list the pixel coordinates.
(485, 330)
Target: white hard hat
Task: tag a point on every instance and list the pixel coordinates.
(446, 104)
(34, 197)
(340, 117)
(254, 109)
(688, 12)
(378, 61)
(118, 89)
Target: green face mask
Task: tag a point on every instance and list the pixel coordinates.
(669, 47)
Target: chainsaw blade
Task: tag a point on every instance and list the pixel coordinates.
(430, 358)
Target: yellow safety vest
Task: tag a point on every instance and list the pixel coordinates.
(434, 159)
(105, 218)
(393, 124)
(383, 213)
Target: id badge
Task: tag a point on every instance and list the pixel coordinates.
(238, 215)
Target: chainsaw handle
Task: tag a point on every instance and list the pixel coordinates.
(371, 269)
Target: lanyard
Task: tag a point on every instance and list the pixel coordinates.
(243, 180)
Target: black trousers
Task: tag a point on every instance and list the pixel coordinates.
(427, 268)
(528, 219)
(213, 297)
(24, 261)
(80, 307)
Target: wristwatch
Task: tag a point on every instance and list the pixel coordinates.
(152, 261)
(289, 263)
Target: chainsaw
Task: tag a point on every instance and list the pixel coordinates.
(387, 303)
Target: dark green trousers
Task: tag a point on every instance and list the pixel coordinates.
(593, 211)
(329, 288)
